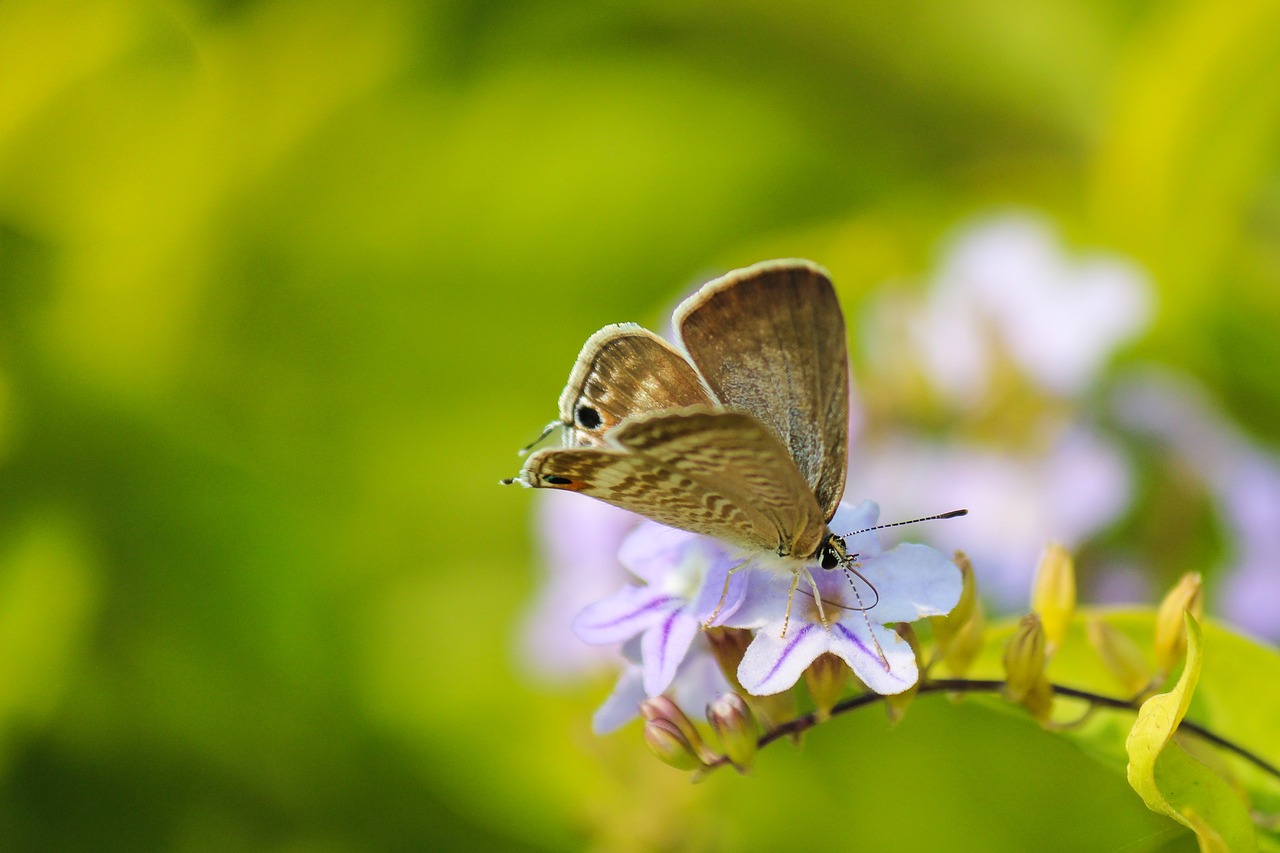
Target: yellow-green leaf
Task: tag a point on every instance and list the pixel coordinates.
(1171, 782)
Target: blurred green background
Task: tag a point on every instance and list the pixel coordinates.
(283, 285)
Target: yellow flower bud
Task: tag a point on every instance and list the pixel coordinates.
(1024, 658)
(1053, 594)
(1171, 634)
(1120, 655)
(963, 648)
(827, 677)
(896, 704)
(663, 709)
(946, 628)
(668, 743)
(1024, 661)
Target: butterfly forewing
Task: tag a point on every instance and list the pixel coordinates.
(713, 472)
(625, 370)
(769, 340)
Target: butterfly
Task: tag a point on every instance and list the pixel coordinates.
(743, 436)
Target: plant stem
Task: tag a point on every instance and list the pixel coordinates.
(965, 685)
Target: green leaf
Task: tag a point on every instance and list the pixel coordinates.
(1170, 781)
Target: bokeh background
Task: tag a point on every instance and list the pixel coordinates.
(284, 285)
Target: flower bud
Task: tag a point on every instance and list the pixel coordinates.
(896, 704)
(729, 645)
(663, 709)
(735, 726)
(668, 743)
(827, 677)
(1053, 594)
(1171, 632)
(964, 646)
(945, 628)
(1024, 658)
(1120, 655)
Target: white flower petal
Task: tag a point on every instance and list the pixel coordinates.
(851, 641)
(913, 581)
(773, 663)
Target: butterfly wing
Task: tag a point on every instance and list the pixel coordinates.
(625, 370)
(707, 471)
(769, 340)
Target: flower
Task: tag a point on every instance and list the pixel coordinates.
(1241, 476)
(909, 582)
(1011, 337)
(580, 541)
(1068, 490)
(685, 580)
(1007, 287)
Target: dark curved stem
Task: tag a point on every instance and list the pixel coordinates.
(965, 685)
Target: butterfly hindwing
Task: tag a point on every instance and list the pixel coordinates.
(625, 370)
(769, 340)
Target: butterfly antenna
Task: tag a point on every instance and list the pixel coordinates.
(550, 428)
(955, 513)
(849, 572)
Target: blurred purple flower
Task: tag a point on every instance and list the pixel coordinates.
(1242, 477)
(1006, 286)
(1066, 491)
(910, 582)
(1005, 295)
(580, 540)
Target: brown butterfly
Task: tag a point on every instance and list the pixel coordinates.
(745, 440)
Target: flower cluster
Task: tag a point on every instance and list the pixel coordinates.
(765, 636)
(1010, 343)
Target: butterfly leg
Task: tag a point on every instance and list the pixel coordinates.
(723, 595)
(817, 597)
(791, 593)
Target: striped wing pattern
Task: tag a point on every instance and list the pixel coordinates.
(625, 370)
(709, 471)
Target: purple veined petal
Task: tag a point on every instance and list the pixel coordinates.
(623, 704)
(653, 550)
(851, 517)
(627, 612)
(774, 663)
(663, 648)
(850, 640)
(913, 581)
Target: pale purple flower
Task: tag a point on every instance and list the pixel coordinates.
(1006, 287)
(1066, 490)
(580, 539)
(912, 581)
(1008, 314)
(1242, 476)
(684, 577)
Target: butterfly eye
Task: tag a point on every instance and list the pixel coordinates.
(588, 418)
(829, 559)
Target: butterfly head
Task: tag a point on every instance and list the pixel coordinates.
(834, 554)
